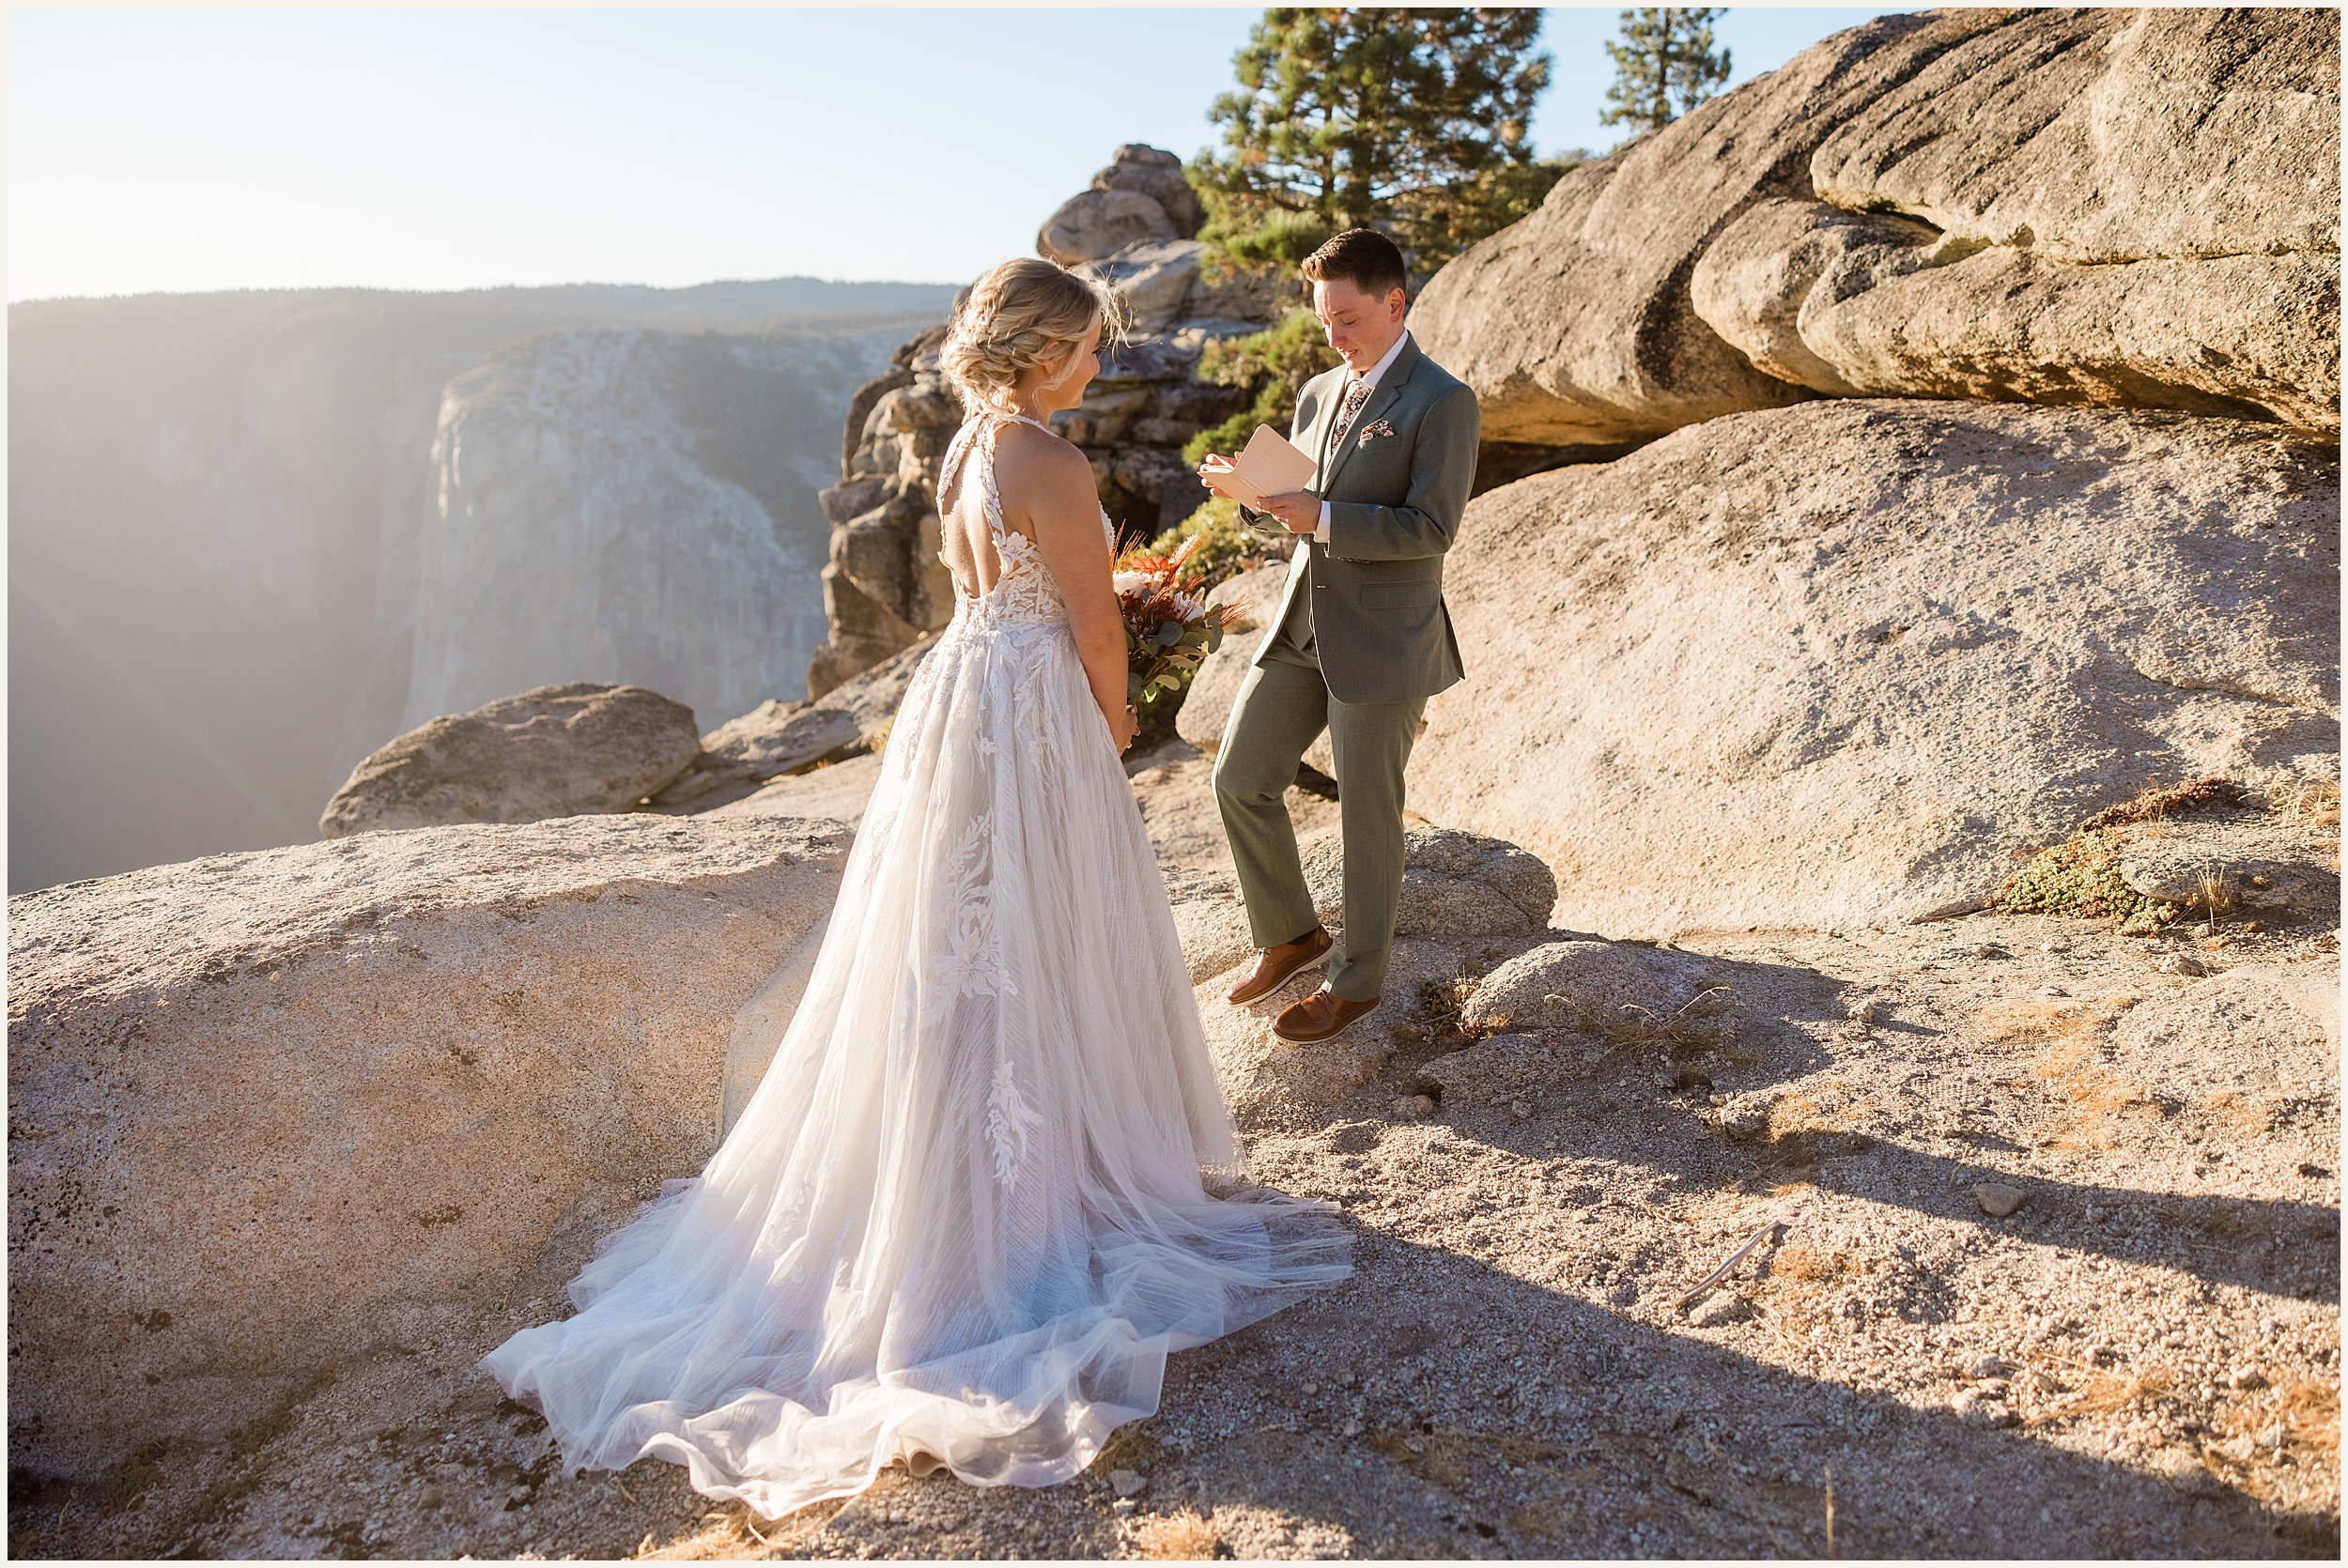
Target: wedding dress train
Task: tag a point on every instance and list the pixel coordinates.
(965, 1215)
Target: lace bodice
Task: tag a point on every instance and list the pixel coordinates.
(1025, 594)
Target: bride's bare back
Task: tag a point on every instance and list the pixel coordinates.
(1051, 522)
(968, 545)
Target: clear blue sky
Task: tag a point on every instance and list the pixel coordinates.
(187, 149)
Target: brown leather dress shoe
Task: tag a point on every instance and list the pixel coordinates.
(1274, 965)
(1320, 1017)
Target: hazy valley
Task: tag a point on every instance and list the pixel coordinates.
(256, 535)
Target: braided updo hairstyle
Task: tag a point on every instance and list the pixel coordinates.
(1023, 313)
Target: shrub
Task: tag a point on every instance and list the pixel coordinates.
(1226, 545)
(1278, 244)
(1275, 364)
(2199, 795)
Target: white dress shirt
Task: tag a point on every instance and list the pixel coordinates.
(1370, 378)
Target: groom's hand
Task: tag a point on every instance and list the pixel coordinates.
(1215, 469)
(1299, 510)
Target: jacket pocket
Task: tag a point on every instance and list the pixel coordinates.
(1401, 595)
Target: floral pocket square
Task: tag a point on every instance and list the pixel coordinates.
(1371, 431)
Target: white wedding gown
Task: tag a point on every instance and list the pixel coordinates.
(965, 1214)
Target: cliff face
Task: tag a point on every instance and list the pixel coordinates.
(218, 515)
(884, 586)
(620, 504)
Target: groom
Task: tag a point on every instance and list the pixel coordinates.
(1363, 638)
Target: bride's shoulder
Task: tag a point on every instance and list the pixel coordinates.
(1020, 436)
(1027, 454)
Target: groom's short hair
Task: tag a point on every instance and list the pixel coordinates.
(1370, 260)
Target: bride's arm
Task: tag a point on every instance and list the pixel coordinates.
(1065, 513)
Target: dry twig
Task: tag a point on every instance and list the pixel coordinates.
(1717, 1275)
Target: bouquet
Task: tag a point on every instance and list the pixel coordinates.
(1169, 627)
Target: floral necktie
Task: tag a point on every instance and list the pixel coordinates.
(1355, 395)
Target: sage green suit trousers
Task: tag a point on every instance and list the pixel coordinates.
(1284, 704)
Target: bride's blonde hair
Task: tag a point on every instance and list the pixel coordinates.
(1023, 313)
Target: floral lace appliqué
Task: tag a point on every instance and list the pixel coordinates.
(1009, 1117)
(971, 959)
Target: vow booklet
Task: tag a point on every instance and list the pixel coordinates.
(1270, 465)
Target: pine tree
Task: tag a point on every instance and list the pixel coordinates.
(1664, 66)
(1411, 120)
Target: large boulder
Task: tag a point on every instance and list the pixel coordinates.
(1093, 224)
(1453, 885)
(277, 1110)
(1155, 278)
(2097, 207)
(1157, 174)
(551, 751)
(1833, 665)
(1584, 986)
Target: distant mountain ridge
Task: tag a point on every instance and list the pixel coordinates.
(798, 296)
(221, 504)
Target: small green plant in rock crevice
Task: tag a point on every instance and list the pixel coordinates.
(2080, 877)
(1443, 1001)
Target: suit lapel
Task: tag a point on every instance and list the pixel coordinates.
(1389, 388)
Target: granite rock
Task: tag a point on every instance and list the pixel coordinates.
(1584, 985)
(1453, 885)
(296, 1107)
(772, 739)
(2093, 207)
(1833, 665)
(552, 751)
(1094, 223)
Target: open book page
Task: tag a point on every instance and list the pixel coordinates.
(1269, 465)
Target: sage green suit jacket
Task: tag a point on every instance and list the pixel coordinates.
(1396, 488)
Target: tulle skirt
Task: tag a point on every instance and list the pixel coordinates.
(988, 1181)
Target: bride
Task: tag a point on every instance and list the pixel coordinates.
(967, 1212)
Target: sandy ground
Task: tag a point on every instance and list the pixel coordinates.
(2140, 1359)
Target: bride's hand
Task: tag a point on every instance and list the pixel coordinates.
(1123, 726)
